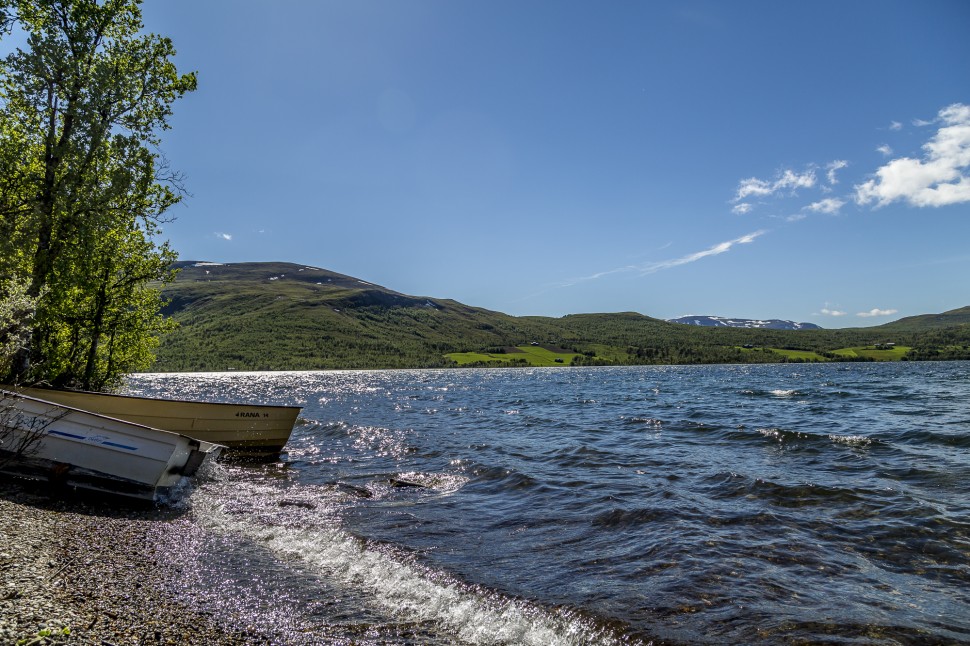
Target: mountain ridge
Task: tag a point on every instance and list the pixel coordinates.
(722, 321)
(287, 316)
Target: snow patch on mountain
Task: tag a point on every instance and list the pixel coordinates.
(721, 321)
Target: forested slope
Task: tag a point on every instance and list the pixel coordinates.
(280, 316)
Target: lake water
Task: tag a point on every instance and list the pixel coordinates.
(687, 504)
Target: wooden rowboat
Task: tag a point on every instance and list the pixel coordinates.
(246, 430)
(44, 440)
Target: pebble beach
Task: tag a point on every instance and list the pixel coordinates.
(84, 571)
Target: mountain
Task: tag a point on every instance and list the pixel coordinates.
(720, 321)
(960, 316)
(283, 316)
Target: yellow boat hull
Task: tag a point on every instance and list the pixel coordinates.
(246, 430)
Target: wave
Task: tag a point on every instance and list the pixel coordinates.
(631, 517)
(920, 437)
(792, 439)
(399, 586)
(780, 494)
(851, 440)
(777, 392)
(650, 422)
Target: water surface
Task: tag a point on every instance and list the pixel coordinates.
(712, 504)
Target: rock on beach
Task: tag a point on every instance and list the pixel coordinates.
(79, 571)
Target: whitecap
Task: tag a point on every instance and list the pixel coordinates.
(851, 440)
(407, 590)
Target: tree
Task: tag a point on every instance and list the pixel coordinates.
(83, 188)
(16, 315)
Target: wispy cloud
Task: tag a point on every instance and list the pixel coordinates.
(224, 236)
(830, 205)
(832, 168)
(653, 267)
(876, 312)
(742, 208)
(885, 150)
(716, 250)
(895, 125)
(786, 180)
(939, 179)
(752, 186)
(827, 312)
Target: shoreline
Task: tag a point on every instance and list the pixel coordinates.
(84, 571)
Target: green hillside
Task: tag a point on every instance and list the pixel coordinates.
(952, 318)
(280, 316)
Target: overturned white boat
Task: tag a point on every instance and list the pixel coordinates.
(246, 430)
(45, 440)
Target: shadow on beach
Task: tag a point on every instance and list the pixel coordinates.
(59, 497)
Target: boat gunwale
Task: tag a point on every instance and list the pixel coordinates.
(146, 398)
(4, 391)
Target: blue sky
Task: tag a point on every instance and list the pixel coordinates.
(808, 161)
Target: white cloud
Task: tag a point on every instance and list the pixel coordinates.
(792, 180)
(742, 208)
(829, 205)
(939, 179)
(753, 186)
(224, 236)
(694, 257)
(921, 123)
(827, 312)
(895, 125)
(653, 267)
(876, 312)
(786, 180)
(885, 150)
(831, 169)
(795, 217)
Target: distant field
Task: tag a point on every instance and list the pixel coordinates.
(523, 354)
(547, 356)
(870, 352)
(799, 355)
(862, 352)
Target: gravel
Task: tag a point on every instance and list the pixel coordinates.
(85, 571)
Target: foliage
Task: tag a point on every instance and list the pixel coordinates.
(277, 316)
(47, 636)
(799, 356)
(523, 355)
(83, 188)
(16, 315)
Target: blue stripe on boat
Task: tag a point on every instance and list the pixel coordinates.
(83, 437)
(71, 435)
(121, 446)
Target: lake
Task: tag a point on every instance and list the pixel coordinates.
(681, 504)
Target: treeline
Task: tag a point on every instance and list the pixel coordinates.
(247, 321)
